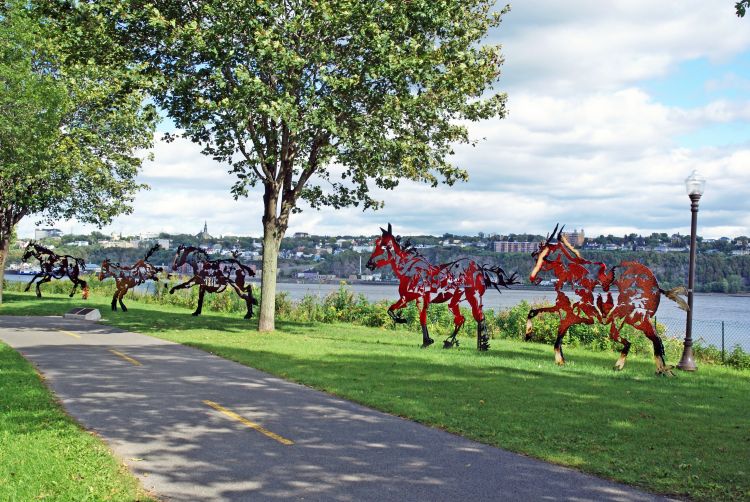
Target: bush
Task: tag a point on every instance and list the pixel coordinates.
(343, 306)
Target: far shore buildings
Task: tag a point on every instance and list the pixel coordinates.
(515, 247)
(576, 238)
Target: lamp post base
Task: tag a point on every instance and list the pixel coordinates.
(686, 362)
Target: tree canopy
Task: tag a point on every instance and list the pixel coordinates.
(742, 7)
(317, 100)
(71, 132)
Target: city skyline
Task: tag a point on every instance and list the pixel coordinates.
(610, 109)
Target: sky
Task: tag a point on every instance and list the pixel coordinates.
(611, 105)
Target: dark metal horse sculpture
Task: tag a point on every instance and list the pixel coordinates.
(128, 277)
(214, 276)
(420, 280)
(54, 266)
(637, 299)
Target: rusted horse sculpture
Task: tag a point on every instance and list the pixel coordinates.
(127, 278)
(214, 276)
(54, 266)
(637, 299)
(419, 280)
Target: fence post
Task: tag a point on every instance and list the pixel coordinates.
(722, 341)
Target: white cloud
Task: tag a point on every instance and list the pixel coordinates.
(584, 143)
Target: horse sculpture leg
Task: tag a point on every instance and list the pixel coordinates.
(615, 335)
(661, 366)
(201, 294)
(44, 279)
(426, 340)
(36, 276)
(532, 314)
(84, 287)
(120, 296)
(114, 300)
(401, 303)
(458, 321)
(475, 301)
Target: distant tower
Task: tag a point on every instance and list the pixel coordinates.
(204, 235)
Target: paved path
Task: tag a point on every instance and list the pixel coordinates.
(193, 426)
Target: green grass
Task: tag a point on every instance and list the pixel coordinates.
(43, 453)
(688, 435)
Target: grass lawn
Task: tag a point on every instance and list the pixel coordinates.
(688, 435)
(44, 455)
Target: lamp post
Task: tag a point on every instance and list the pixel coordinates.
(694, 184)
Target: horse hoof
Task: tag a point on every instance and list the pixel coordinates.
(616, 368)
(400, 320)
(427, 343)
(447, 344)
(196, 313)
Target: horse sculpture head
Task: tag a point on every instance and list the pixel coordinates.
(180, 256)
(386, 246)
(546, 247)
(104, 270)
(28, 252)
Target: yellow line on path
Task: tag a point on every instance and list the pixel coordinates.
(250, 424)
(123, 356)
(69, 333)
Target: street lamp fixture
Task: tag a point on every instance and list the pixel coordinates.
(694, 185)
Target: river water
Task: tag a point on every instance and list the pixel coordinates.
(709, 310)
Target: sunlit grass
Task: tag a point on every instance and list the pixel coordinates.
(688, 435)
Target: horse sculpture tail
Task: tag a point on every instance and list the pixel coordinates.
(675, 294)
(81, 263)
(494, 277)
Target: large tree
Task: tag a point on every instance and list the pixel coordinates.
(70, 132)
(317, 100)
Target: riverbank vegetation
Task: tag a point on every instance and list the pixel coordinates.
(684, 436)
(343, 306)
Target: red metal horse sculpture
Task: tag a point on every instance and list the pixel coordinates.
(54, 266)
(128, 277)
(214, 276)
(637, 299)
(419, 280)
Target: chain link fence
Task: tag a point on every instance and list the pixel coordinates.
(725, 336)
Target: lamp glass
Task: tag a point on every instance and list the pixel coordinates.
(695, 184)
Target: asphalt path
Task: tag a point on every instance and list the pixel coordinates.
(194, 426)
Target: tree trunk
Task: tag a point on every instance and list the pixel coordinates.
(271, 243)
(4, 248)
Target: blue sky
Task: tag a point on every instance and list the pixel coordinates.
(611, 105)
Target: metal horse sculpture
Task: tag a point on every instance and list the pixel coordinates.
(54, 266)
(637, 299)
(420, 280)
(128, 277)
(214, 276)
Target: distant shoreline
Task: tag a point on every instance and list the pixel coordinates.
(358, 282)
